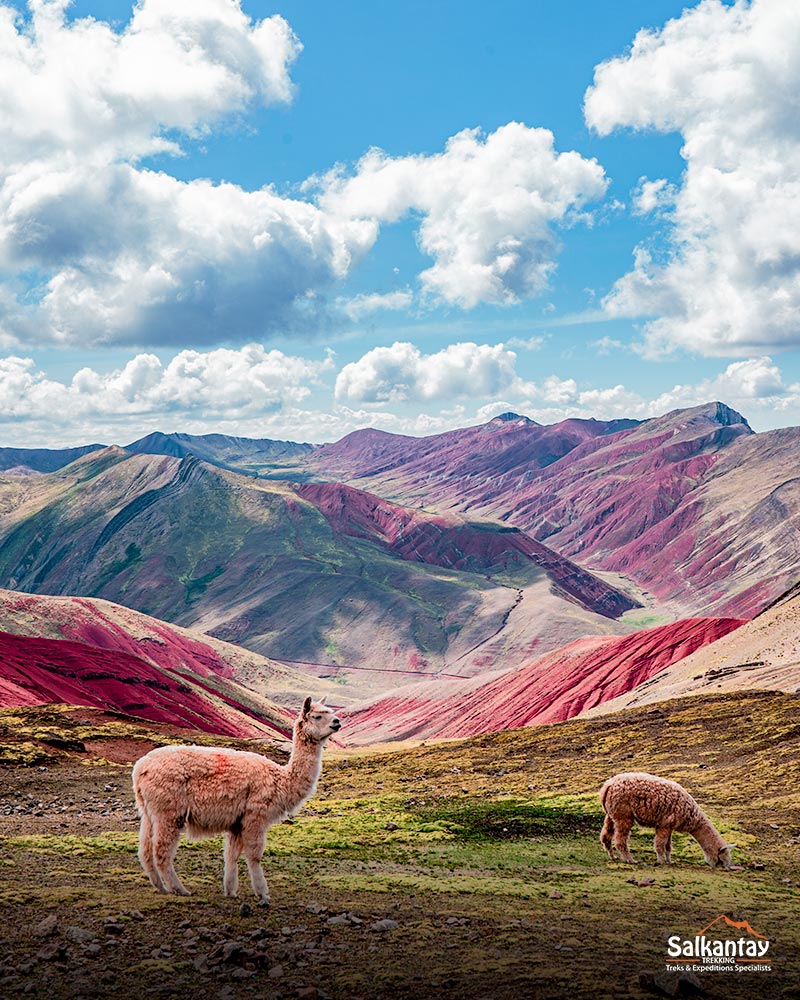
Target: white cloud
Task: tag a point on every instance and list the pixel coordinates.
(129, 255)
(726, 77)
(489, 204)
(82, 90)
(650, 196)
(401, 373)
(139, 256)
(223, 384)
(367, 303)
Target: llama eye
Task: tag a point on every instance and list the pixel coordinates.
(316, 716)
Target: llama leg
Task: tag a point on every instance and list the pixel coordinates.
(167, 835)
(146, 852)
(605, 837)
(253, 847)
(622, 831)
(662, 844)
(668, 848)
(233, 848)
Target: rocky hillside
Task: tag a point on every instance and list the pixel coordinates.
(764, 654)
(553, 688)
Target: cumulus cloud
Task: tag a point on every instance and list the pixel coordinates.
(489, 207)
(726, 77)
(82, 90)
(128, 255)
(401, 373)
(223, 383)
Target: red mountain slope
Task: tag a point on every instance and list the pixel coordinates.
(41, 671)
(449, 541)
(556, 687)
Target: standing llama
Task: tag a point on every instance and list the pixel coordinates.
(210, 790)
(636, 797)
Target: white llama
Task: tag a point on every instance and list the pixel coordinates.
(210, 790)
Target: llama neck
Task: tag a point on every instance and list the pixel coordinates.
(303, 769)
(711, 841)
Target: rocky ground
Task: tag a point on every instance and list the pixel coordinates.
(465, 870)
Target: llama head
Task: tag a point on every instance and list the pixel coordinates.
(317, 722)
(724, 858)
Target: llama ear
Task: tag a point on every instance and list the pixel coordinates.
(306, 706)
(729, 847)
(323, 699)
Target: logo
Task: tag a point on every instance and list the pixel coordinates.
(718, 948)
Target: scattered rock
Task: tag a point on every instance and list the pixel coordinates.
(555, 894)
(391, 826)
(384, 925)
(245, 910)
(316, 908)
(78, 935)
(47, 926)
(308, 993)
(276, 972)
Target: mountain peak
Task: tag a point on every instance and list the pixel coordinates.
(510, 417)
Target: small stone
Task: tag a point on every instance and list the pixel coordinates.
(276, 972)
(384, 925)
(231, 950)
(757, 866)
(340, 921)
(113, 928)
(245, 910)
(646, 881)
(391, 826)
(78, 935)
(47, 926)
(316, 907)
(555, 894)
(308, 993)
(94, 949)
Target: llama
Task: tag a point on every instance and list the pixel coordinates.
(641, 798)
(210, 790)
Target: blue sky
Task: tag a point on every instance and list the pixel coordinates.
(566, 217)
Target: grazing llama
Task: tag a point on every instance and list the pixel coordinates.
(641, 798)
(210, 790)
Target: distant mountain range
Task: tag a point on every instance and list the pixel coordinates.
(382, 559)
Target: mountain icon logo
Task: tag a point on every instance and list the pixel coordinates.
(739, 925)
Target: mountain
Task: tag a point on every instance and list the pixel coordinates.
(22, 461)
(236, 453)
(256, 563)
(46, 671)
(691, 507)
(111, 627)
(553, 688)
(761, 655)
(455, 543)
(508, 442)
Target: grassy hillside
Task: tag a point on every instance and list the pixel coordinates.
(481, 854)
(252, 562)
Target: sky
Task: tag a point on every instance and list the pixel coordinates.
(294, 219)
